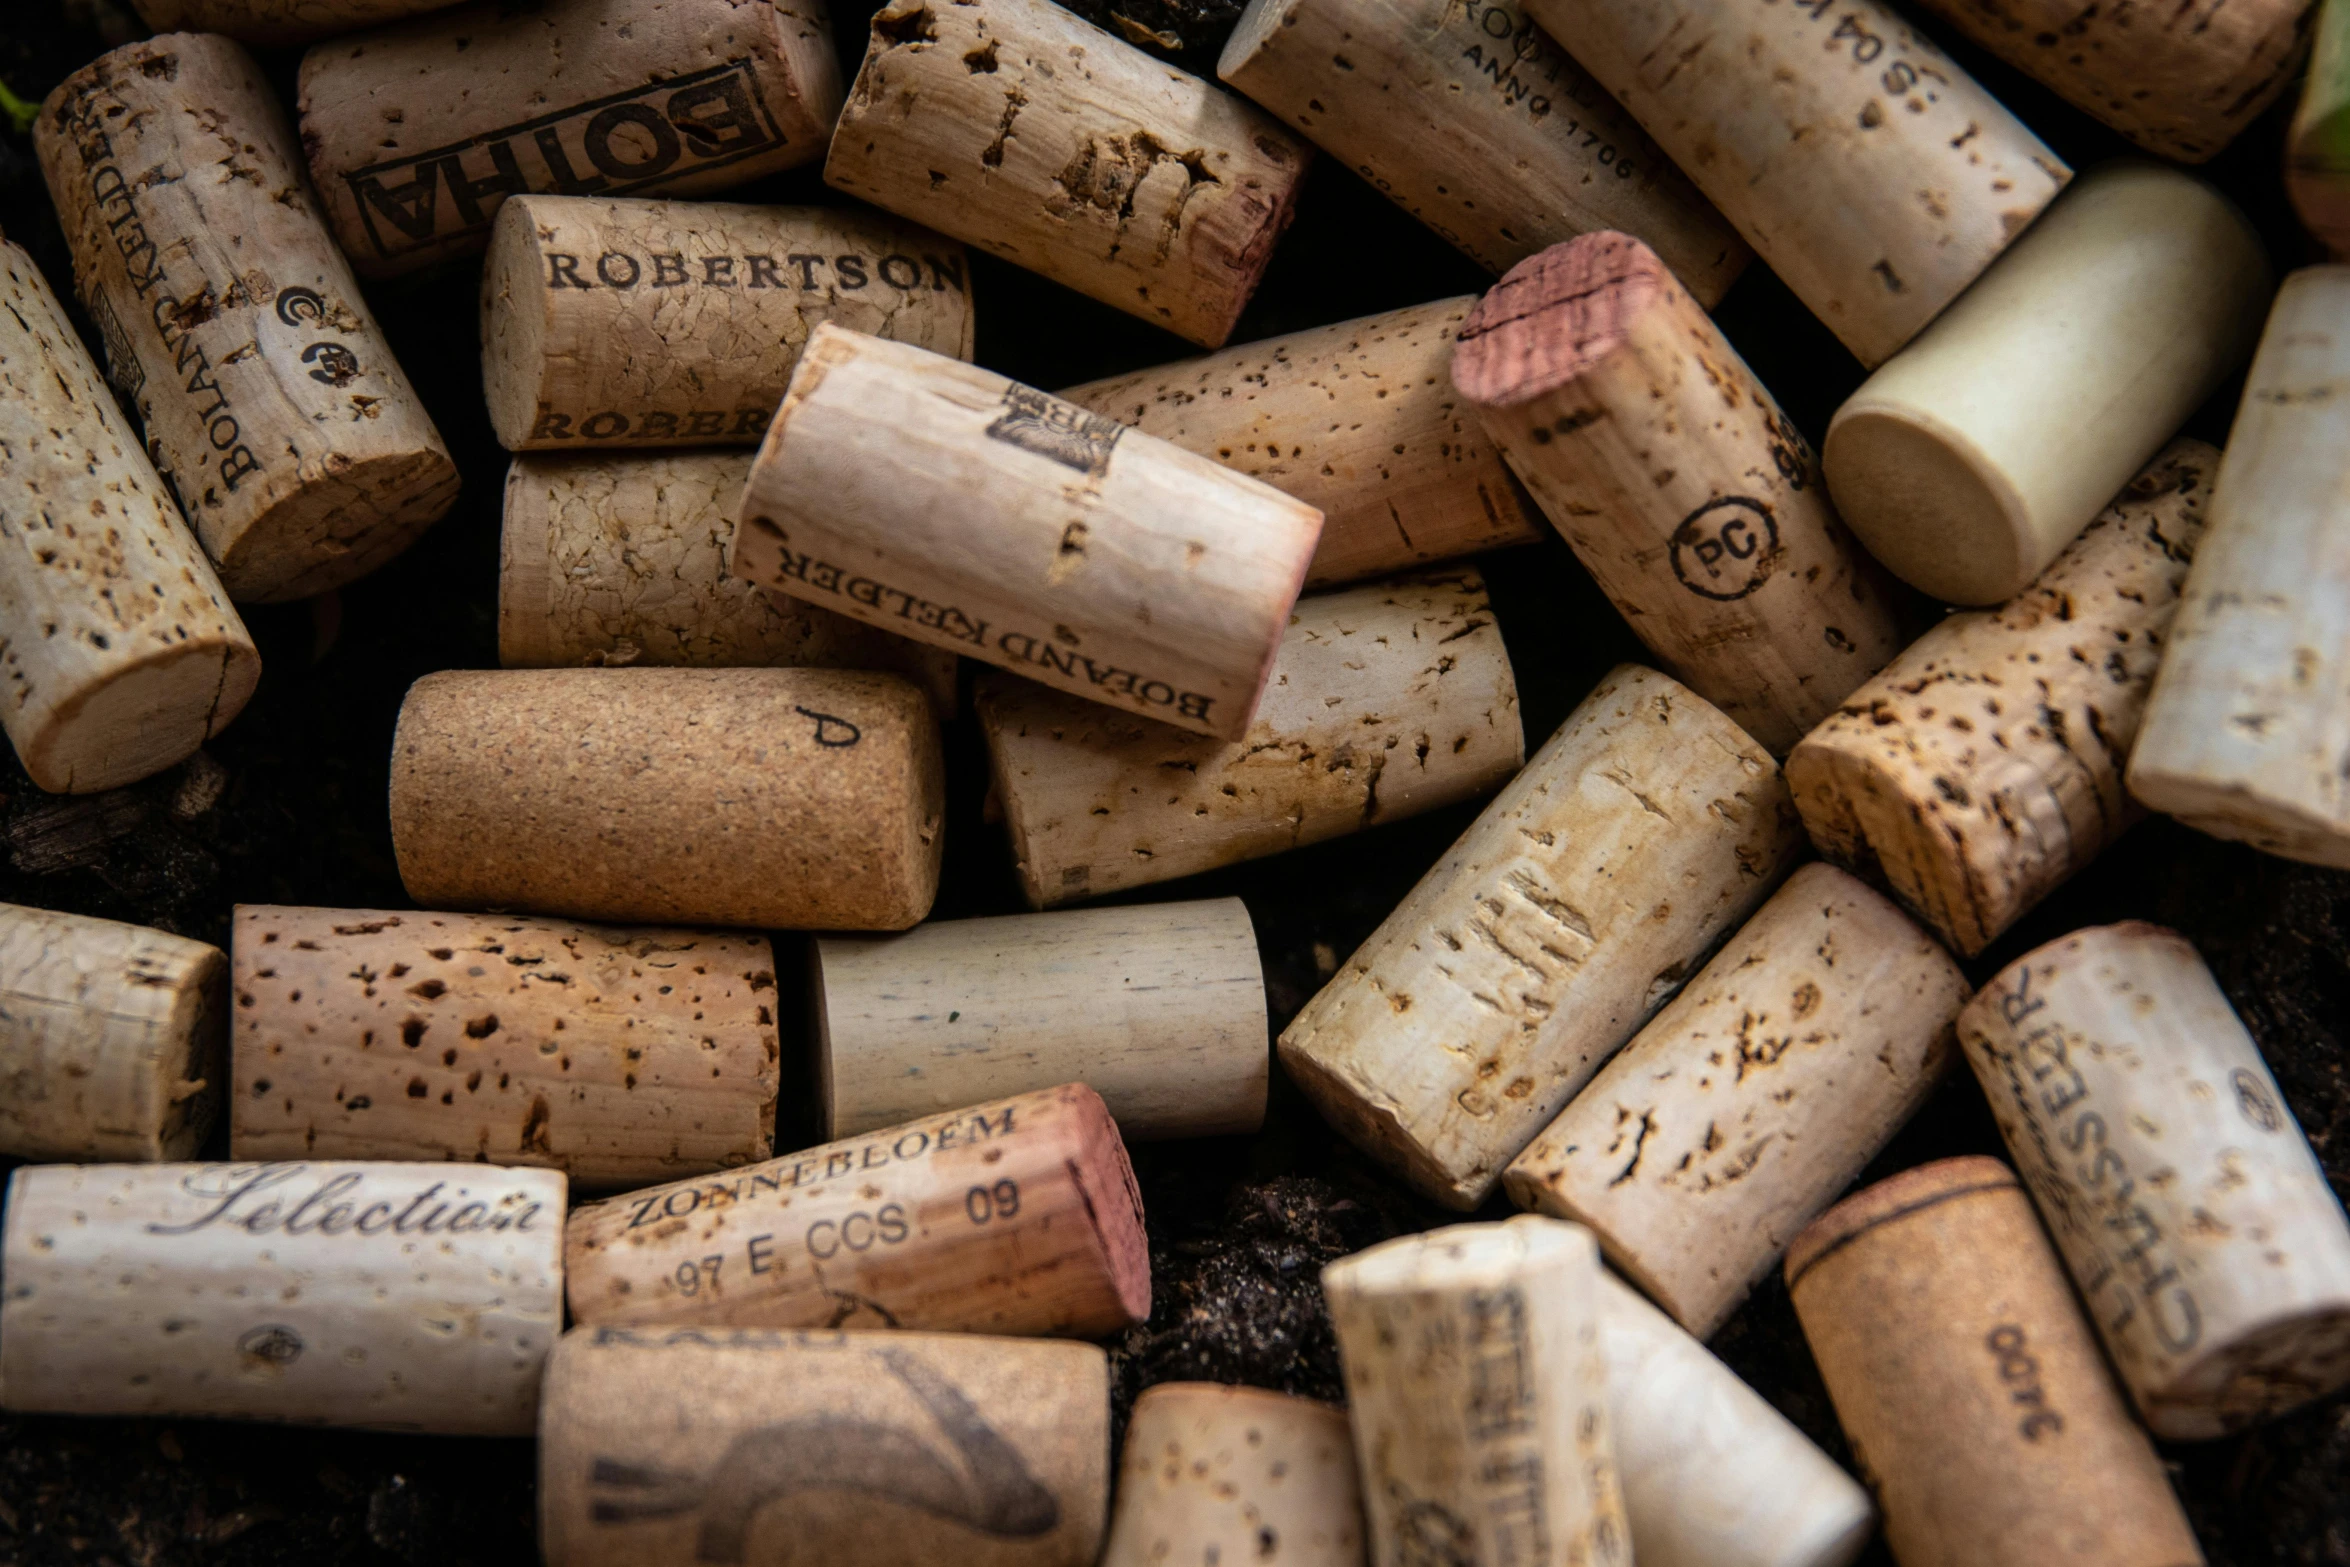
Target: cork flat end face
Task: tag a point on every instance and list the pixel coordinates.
(513, 324)
(337, 527)
(1113, 1200)
(1929, 506)
(1889, 1199)
(1555, 315)
(2233, 809)
(143, 719)
(1257, 25)
(2303, 1356)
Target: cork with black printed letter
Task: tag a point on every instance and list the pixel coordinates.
(393, 1297)
(1016, 1216)
(271, 403)
(677, 323)
(417, 132)
(948, 504)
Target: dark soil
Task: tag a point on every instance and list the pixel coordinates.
(288, 806)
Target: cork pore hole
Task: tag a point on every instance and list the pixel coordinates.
(1555, 315)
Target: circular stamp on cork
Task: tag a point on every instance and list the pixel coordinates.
(1726, 548)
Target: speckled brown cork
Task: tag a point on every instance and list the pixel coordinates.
(120, 653)
(418, 132)
(1212, 1473)
(1022, 129)
(677, 323)
(1688, 495)
(270, 400)
(613, 559)
(1983, 766)
(764, 1449)
(615, 1055)
(788, 799)
(1979, 1410)
(1019, 1215)
(2179, 80)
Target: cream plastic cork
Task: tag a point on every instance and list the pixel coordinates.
(1478, 1391)
(618, 1056)
(794, 799)
(1713, 1475)
(1017, 127)
(1159, 1008)
(1385, 701)
(393, 1297)
(948, 504)
(1357, 420)
(1590, 888)
(2213, 1256)
(1982, 767)
(1754, 1097)
(141, 659)
(1813, 128)
(677, 323)
(1237, 1474)
(271, 403)
(608, 560)
(1473, 121)
(418, 131)
(1972, 459)
(1689, 496)
(1016, 1216)
(2247, 725)
(110, 1038)
(764, 1449)
(1963, 1373)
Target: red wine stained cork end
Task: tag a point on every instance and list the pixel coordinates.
(1554, 316)
(1890, 1199)
(1113, 1200)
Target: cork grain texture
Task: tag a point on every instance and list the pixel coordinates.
(288, 806)
(801, 799)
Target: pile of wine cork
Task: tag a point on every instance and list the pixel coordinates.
(507, 1158)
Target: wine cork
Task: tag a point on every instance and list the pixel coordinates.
(1385, 701)
(1160, 1009)
(1815, 129)
(1713, 1476)
(2244, 731)
(1019, 128)
(1753, 1098)
(1690, 497)
(110, 1038)
(1474, 122)
(682, 1449)
(277, 23)
(616, 1056)
(1983, 766)
(138, 658)
(1357, 420)
(1970, 1387)
(416, 133)
(945, 503)
(2317, 148)
(1646, 830)
(1968, 463)
(1235, 1474)
(618, 560)
(391, 1297)
(1478, 1391)
(787, 799)
(270, 400)
(1018, 1216)
(2181, 83)
(2213, 1257)
(677, 323)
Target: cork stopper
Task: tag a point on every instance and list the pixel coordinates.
(1891, 1199)
(1555, 315)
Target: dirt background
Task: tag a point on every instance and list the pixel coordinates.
(289, 807)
